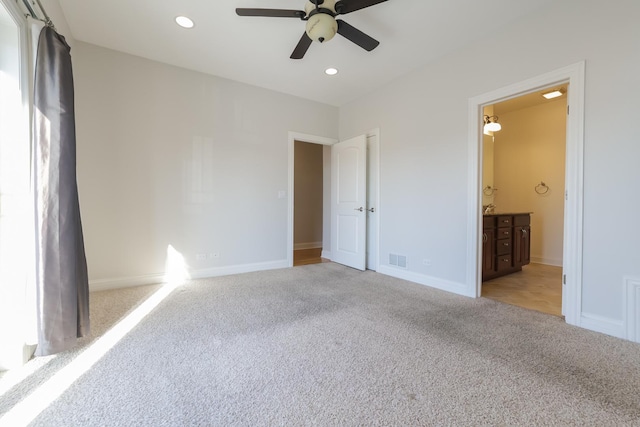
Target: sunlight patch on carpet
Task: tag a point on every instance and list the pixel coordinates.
(36, 402)
(17, 375)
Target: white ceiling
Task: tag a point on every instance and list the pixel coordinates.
(256, 50)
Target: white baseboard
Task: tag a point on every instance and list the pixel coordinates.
(326, 254)
(547, 261)
(151, 279)
(602, 324)
(310, 245)
(238, 269)
(423, 279)
(125, 282)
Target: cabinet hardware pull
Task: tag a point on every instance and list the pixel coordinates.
(361, 209)
(506, 243)
(484, 237)
(505, 259)
(524, 233)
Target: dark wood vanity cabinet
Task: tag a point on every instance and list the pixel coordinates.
(521, 240)
(488, 251)
(505, 244)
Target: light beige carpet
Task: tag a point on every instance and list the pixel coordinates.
(327, 345)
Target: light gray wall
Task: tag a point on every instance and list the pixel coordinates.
(423, 123)
(171, 157)
(308, 177)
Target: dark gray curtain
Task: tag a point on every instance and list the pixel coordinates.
(61, 273)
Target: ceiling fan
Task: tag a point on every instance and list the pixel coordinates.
(322, 24)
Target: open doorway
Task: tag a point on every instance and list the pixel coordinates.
(572, 260)
(308, 202)
(370, 239)
(523, 181)
(325, 144)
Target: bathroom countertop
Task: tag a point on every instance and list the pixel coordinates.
(507, 213)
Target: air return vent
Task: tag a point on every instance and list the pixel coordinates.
(398, 260)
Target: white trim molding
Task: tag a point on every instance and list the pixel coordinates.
(308, 245)
(238, 269)
(632, 308)
(125, 282)
(155, 279)
(574, 180)
(546, 261)
(423, 279)
(375, 133)
(602, 324)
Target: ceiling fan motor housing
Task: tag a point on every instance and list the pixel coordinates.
(310, 6)
(321, 24)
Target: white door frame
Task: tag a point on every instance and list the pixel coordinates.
(375, 244)
(302, 137)
(314, 139)
(574, 182)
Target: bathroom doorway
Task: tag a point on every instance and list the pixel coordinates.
(574, 76)
(524, 172)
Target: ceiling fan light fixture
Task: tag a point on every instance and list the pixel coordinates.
(321, 27)
(184, 22)
(331, 71)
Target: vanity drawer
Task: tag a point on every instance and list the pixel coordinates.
(505, 221)
(504, 262)
(503, 247)
(521, 219)
(504, 233)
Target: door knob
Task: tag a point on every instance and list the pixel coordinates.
(361, 209)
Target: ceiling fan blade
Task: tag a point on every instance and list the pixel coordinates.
(271, 13)
(348, 6)
(301, 48)
(358, 37)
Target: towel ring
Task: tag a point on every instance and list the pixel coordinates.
(541, 188)
(489, 191)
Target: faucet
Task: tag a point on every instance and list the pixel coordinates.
(489, 208)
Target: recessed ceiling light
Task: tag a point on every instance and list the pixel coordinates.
(184, 22)
(552, 94)
(331, 71)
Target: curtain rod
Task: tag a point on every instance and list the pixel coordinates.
(34, 15)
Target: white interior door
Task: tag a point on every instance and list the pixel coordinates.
(348, 202)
